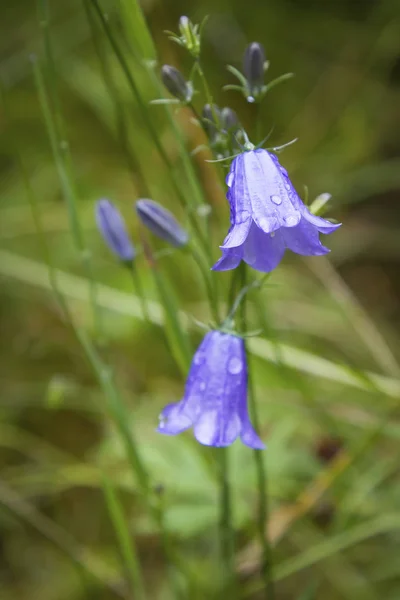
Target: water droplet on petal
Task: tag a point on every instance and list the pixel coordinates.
(202, 386)
(276, 199)
(229, 178)
(273, 234)
(293, 219)
(287, 186)
(198, 358)
(235, 366)
(284, 171)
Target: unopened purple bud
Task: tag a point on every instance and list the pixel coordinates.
(112, 227)
(161, 222)
(229, 119)
(176, 84)
(253, 65)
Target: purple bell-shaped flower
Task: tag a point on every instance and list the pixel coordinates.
(267, 215)
(215, 399)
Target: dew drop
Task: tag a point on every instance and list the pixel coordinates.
(235, 366)
(273, 234)
(287, 186)
(229, 179)
(198, 359)
(202, 386)
(293, 219)
(276, 199)
(251, 99)
(284, 172)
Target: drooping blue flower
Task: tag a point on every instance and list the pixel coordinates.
(215, 399)
(161, 222)
(267, 215)
(112, 227)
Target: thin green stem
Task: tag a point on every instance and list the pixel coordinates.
(52, 113)
(263, 508)
(210, 288)
(227, 545)
(125, 540)
(139, 291)
(68, 191)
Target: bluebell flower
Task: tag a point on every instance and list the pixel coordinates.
(267, 215)
(215, 399)
(161, 222)
(112, 227)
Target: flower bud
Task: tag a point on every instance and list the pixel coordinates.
(176, 84)
(112, 227)
(229, 119)
(209, 114)
(190, 36)
(161, 222)
(253, 65)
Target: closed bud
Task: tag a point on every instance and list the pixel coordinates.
(229, 119)
(253, 65)
(176, 83)
(184, 24)
(161, 222)
(112, 227)
(210, 114)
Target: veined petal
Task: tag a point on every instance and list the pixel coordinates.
(263, 251)
(237, 195)
(303, 239)
(279, 191)
(258, 187)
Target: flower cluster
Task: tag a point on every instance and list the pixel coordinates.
(267, 217)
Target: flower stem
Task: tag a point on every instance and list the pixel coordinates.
(139, 290)
(227, 546)
(52, 114)
(263, 508)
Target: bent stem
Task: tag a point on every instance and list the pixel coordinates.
(262, 483)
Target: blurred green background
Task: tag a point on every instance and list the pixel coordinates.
(332, 428)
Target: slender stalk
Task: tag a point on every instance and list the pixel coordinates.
(227, 546)
(263, 508)
(139, 290)
(125, 540)
(51, 109)
(211, 290)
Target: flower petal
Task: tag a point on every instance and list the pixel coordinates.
(237, 195)
(214, 428)
(303, 239)
(230, 259)
(173, 419)
(250, 437)
(259, 185)
(321, 224)
(263, 251)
